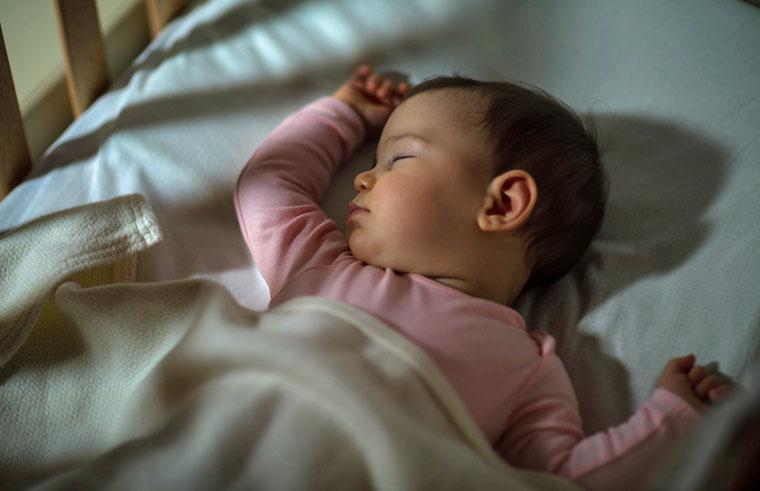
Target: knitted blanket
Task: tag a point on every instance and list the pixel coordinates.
(175, 386)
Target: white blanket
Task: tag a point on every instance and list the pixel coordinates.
(38, 256)
(176, 386)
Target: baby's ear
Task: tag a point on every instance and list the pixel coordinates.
(509, 201)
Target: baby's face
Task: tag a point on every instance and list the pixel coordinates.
(415, 211)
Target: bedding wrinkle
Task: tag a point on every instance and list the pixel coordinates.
(180, 38)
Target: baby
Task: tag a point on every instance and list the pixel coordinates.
(478, 189)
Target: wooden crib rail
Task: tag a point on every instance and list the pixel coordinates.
(86, 76)
(84, 53)
(15, 161)
(160, 12)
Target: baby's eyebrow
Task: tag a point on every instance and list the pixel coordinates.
(416, 136)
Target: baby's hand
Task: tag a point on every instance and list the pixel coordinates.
(694, 384)
(372, 96)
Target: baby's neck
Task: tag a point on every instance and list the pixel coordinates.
(493, 270)
(504, 294)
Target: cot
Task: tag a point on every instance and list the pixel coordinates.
(674, 89)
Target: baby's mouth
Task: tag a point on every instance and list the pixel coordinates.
(354, 209)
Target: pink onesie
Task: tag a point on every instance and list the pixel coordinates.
(514, 385)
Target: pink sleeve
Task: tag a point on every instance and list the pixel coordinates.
(278, 190)
(544, 433)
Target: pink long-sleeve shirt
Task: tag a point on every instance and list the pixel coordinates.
(511, 380)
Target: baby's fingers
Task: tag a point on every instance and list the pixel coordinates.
(386, 91)
(721, 393)
(373, 82)
(697, 374)
(358, 79)
(703, 388)
(361, 73)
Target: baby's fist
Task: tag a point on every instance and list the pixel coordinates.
(693, 383)
(372, 97)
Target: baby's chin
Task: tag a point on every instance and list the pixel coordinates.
(360, 255)
(374, 260)
(381, 255)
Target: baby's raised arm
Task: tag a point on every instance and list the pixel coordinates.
(278, 192)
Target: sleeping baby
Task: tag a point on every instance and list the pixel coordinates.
(478, 190)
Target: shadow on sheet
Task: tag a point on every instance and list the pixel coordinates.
(662, 180)
(267, 86)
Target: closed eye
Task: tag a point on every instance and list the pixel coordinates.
(394, 160)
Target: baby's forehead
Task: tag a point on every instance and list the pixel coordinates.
(461, 108)
(462, 100)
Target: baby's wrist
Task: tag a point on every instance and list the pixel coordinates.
(667, 400)
(352, 106)
(354, 109)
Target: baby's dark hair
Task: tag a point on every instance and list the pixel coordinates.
(532, 131)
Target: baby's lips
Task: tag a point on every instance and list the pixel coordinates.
(354, 207)
(354, 210)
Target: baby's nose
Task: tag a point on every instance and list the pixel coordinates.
(364, 181)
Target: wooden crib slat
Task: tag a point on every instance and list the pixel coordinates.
(83, 51)
(15, 161)
(160, 12)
